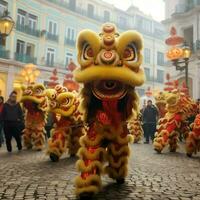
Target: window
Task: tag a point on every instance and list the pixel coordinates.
(52, 29)
(90, 10)
(50, 57)
(147, 25)
(32, 21)
(147, 73)
(21, 17)
(69, 56)
(122, 21)
(160, 58)
(20, 49)
(147, 55)
(3, 6)
(30, 49)
(70, 33)
(72, 4)
(106, 16)
(160, 76)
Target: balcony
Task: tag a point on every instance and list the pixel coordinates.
(4, 53)
(26, 29)
(25, 58)
(50, 63)
(185, 7)
(69, 42)
(60, 3)
(52, 37)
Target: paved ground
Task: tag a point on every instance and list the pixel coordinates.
(30, 175)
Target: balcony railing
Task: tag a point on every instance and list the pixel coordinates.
(26, 29)
(184, 7)
(69, 42)
(50, 64)
(4, 53)
(52, 37)
(25, 58)
(123, 26)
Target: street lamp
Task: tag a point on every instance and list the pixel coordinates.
(178, 55)
(6, 26)
(30, 73)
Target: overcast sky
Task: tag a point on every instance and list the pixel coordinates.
(153, 7)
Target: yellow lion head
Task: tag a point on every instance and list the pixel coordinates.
(61, 101)
(34, 97)
(110, 67)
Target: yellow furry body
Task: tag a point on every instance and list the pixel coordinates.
(109, 69)
(36, 104)
(68, 128)
(193, 139)
(135, 129)
(178, 108)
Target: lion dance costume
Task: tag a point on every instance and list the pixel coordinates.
(66, 133)
(179, 107)
(193, 139)
(135, 129)
(35, 103)
(110, 69)
(160, 99)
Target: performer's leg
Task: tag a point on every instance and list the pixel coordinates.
(173, 141)
(17, 135)
(8, 136)
(160, 140)
(38, 139)
(90, 164)
(74, 144)
(118, 152)
(27, 138)
(192, 143)
(57, 144)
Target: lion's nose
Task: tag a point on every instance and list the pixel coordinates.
(108, 57)
(28, 92)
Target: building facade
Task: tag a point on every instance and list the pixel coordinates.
(45, 34)
(184, 15)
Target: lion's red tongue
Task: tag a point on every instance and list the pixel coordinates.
(111, 109)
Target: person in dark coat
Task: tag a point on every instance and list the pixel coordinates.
(150, 116)
(12, 116)
(1, 121)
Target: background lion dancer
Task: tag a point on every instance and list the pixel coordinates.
(135, 128)
(35, 102)
(193, 139)
(180, 107)
(110, 69)
(67, 129)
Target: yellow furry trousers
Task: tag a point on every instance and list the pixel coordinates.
(166, 134)
(34, 132)
(193, 139)
(102, 144)
(63, 139)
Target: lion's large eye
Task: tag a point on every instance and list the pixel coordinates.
(130, 53)
(38, 91)
(88, 52)
(65, 101)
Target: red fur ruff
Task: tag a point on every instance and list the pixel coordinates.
(111, 109)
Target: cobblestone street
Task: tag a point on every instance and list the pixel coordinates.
(30, 175)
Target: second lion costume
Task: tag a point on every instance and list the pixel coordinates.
(66, 133)
(35, 103)
(110, 70)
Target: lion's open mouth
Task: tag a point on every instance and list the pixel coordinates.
(108, 89)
